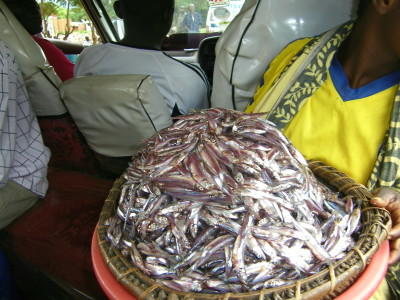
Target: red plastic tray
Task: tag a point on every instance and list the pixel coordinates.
(362, 289)
(370, 279)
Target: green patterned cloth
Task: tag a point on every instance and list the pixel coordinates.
(315, 58)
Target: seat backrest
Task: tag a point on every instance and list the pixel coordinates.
(206, 56)
(40, 79)
(116, 113)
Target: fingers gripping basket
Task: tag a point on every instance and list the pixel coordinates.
(327, 284)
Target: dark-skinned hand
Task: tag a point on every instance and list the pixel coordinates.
(390, 199)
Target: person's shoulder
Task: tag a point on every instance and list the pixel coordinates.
(180, 68)
(297, 44)
(85, 58)
(178, 63)
(39, 39)
(195, 67)
(287, 53)
(277, 65)
(94, 48)
(192, 72)
(93, 51)
(44, 43)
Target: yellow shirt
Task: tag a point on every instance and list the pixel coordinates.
(277, 65)
(343, 134)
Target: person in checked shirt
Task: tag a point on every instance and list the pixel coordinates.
(23, 156)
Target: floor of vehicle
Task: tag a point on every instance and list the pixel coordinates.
(32, 283)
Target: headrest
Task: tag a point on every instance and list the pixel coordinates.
(116, 113)
(43, 94)
(27, 51)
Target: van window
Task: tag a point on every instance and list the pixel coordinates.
(67, 21)
(93, 21)
(214, 15)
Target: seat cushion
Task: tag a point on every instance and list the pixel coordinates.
(55, 235)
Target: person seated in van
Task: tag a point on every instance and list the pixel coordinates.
(23, 156)
(28, 14)
(184, 86)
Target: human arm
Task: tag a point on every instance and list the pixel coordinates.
(185, 22)
(7, 104)
(56, 58)
(390, 199)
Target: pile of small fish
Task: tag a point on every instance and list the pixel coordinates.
(221, 202)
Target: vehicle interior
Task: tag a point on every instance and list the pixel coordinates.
(48, 247)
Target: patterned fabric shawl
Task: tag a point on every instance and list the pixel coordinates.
(306, 72)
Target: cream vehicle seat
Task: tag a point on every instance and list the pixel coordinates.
(116, 113)
(69, 149)
(257, 34)
(41, 81)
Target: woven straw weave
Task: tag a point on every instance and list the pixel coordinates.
(327, 284)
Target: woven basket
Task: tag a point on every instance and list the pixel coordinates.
(327, 284)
